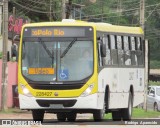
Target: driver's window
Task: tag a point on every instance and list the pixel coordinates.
(107, 59)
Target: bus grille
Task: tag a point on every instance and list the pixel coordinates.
(65, 103)
(56, 87)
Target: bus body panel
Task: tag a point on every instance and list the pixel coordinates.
(119, 81)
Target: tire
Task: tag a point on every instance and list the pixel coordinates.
(116, 115)
(38, 115)
(61, 117)
(71, 116)
(127, 112)
(155, 107)
(98, 115)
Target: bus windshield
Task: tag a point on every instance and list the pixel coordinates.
(57, 59)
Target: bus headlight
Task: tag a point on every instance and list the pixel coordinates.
(25, 90)
(87, 91)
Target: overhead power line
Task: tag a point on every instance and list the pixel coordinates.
(29, 5)
(43, 3)
(33, 10)
(112, 12)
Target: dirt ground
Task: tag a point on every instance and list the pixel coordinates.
(24, 114)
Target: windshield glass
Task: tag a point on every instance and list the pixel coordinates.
(57, 59)
(158, 91)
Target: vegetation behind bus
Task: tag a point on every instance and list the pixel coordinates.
(123, 18)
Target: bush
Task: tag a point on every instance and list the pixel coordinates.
(154, 64)
(0, 55)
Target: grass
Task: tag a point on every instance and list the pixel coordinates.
(154, 83)
(139, 113)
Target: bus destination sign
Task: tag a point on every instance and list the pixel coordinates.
(47, 32)
(58, 32)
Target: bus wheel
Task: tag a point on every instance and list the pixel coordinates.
(38, 115)
(116, 115)
(71, 116)
(98, 115)
(61, 116)
(127, 112)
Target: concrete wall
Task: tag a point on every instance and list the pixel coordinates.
(12, 80)
(0, 81)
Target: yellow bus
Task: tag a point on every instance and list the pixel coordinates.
(72, 67)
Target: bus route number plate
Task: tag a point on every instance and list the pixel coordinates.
(56, 106)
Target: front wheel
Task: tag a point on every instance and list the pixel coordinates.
(71, 116)
(98, 115)
(38, 115)
(61, 116)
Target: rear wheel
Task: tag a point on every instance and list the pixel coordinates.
(116, 115)
(127, 112)
(61, 116)
(38, 115)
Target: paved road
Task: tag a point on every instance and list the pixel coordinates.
(81, 122)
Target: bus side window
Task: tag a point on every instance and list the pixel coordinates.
(113, 50)
(107, 59)
(139, 51)
(127, 52)
(120, 50)
(133, 51)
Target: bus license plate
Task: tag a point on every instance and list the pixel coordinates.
(56, 106)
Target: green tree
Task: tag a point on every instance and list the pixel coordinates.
(119, 12)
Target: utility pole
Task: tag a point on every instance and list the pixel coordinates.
(63, 9)
(102, 11)
(142, 24)
(50, 11)
(146, 74)
(4, 56)
(69, 8)
(142, 14)
(14, 18)
(0, 18)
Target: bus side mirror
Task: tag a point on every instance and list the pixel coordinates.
(14, 47)
(14, 51)
(16, 39)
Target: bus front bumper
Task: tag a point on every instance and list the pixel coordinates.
(88, 102)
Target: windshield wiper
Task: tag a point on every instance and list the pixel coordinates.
(69, 46)
(51, 55)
